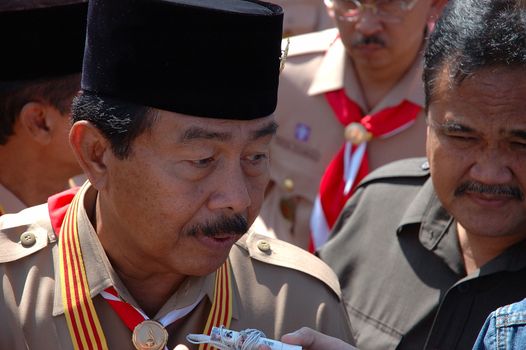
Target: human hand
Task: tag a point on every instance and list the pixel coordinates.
(310, 339)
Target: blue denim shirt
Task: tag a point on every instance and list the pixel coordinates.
(505, 328)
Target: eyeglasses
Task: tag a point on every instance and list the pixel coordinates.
(391, 11)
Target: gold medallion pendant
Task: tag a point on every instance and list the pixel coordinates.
(356, 133)
(149, 335)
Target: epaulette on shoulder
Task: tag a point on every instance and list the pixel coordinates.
(24, 233)
(280, 253)
(411, 167)
(310, 42)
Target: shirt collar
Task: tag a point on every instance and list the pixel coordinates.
(435, 222)
(101, 275)
(336, 71)
(10, 203)
(426, 210)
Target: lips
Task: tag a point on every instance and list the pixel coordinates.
(218, 242)
(490, 201)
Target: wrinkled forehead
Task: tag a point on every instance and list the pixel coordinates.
(495, 92)
(189, 128)
(450, 80)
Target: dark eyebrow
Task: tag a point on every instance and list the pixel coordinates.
(519, 133)
(452, 126)
(269, 129)
(196, 132)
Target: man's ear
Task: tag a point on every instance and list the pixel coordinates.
(92, 150)
(35, 120)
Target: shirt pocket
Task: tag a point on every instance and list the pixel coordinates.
(371, 333)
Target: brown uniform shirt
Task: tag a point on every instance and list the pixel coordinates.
(310, 135)
(396, 252)
(276, 290)
(9, 203)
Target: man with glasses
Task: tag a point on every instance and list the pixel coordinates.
(350, 101)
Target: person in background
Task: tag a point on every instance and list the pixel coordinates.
(364, 75)
(425, 250)
(42, 49)
(172, 130)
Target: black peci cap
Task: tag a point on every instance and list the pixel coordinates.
(207, 58)
(41, 42)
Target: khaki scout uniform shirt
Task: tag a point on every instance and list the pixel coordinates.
(396, 253)
(310, 135)
(9, 203)
(276, 290)
(304, 16)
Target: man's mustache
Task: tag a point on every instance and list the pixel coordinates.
(234, 225)
(366, 40)
(495, 190)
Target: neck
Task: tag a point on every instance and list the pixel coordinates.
(150, 283)
(477, 250)
(151, 291)
(28, 176)
(376, 82)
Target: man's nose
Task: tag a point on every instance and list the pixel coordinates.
(491, 167)
(232, 191)
(368, 23)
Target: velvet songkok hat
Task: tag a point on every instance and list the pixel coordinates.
(40, 42)
(207, 58)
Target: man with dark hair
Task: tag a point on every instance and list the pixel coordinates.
(450, 233)
(425, 251)
(40, 67)
(172, 128)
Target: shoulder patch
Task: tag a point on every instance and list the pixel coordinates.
(310, 42)
(24, 233)
(411, 167)
(280, 253)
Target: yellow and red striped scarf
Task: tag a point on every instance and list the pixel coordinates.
(83, 323)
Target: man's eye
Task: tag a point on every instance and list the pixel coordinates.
(257, 157)
(202, 163)
(520, 145)
(461, 137)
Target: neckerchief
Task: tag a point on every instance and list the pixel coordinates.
(350, 165)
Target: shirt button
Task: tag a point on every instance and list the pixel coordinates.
(425, 166)
(27, 239)
(264, 246)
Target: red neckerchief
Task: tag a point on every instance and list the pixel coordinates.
(332, 196)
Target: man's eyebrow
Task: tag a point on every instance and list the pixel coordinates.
(269, 129)
(196, 132)
(452, 126)
(519, 133)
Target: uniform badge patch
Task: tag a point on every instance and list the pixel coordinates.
(302, 132)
